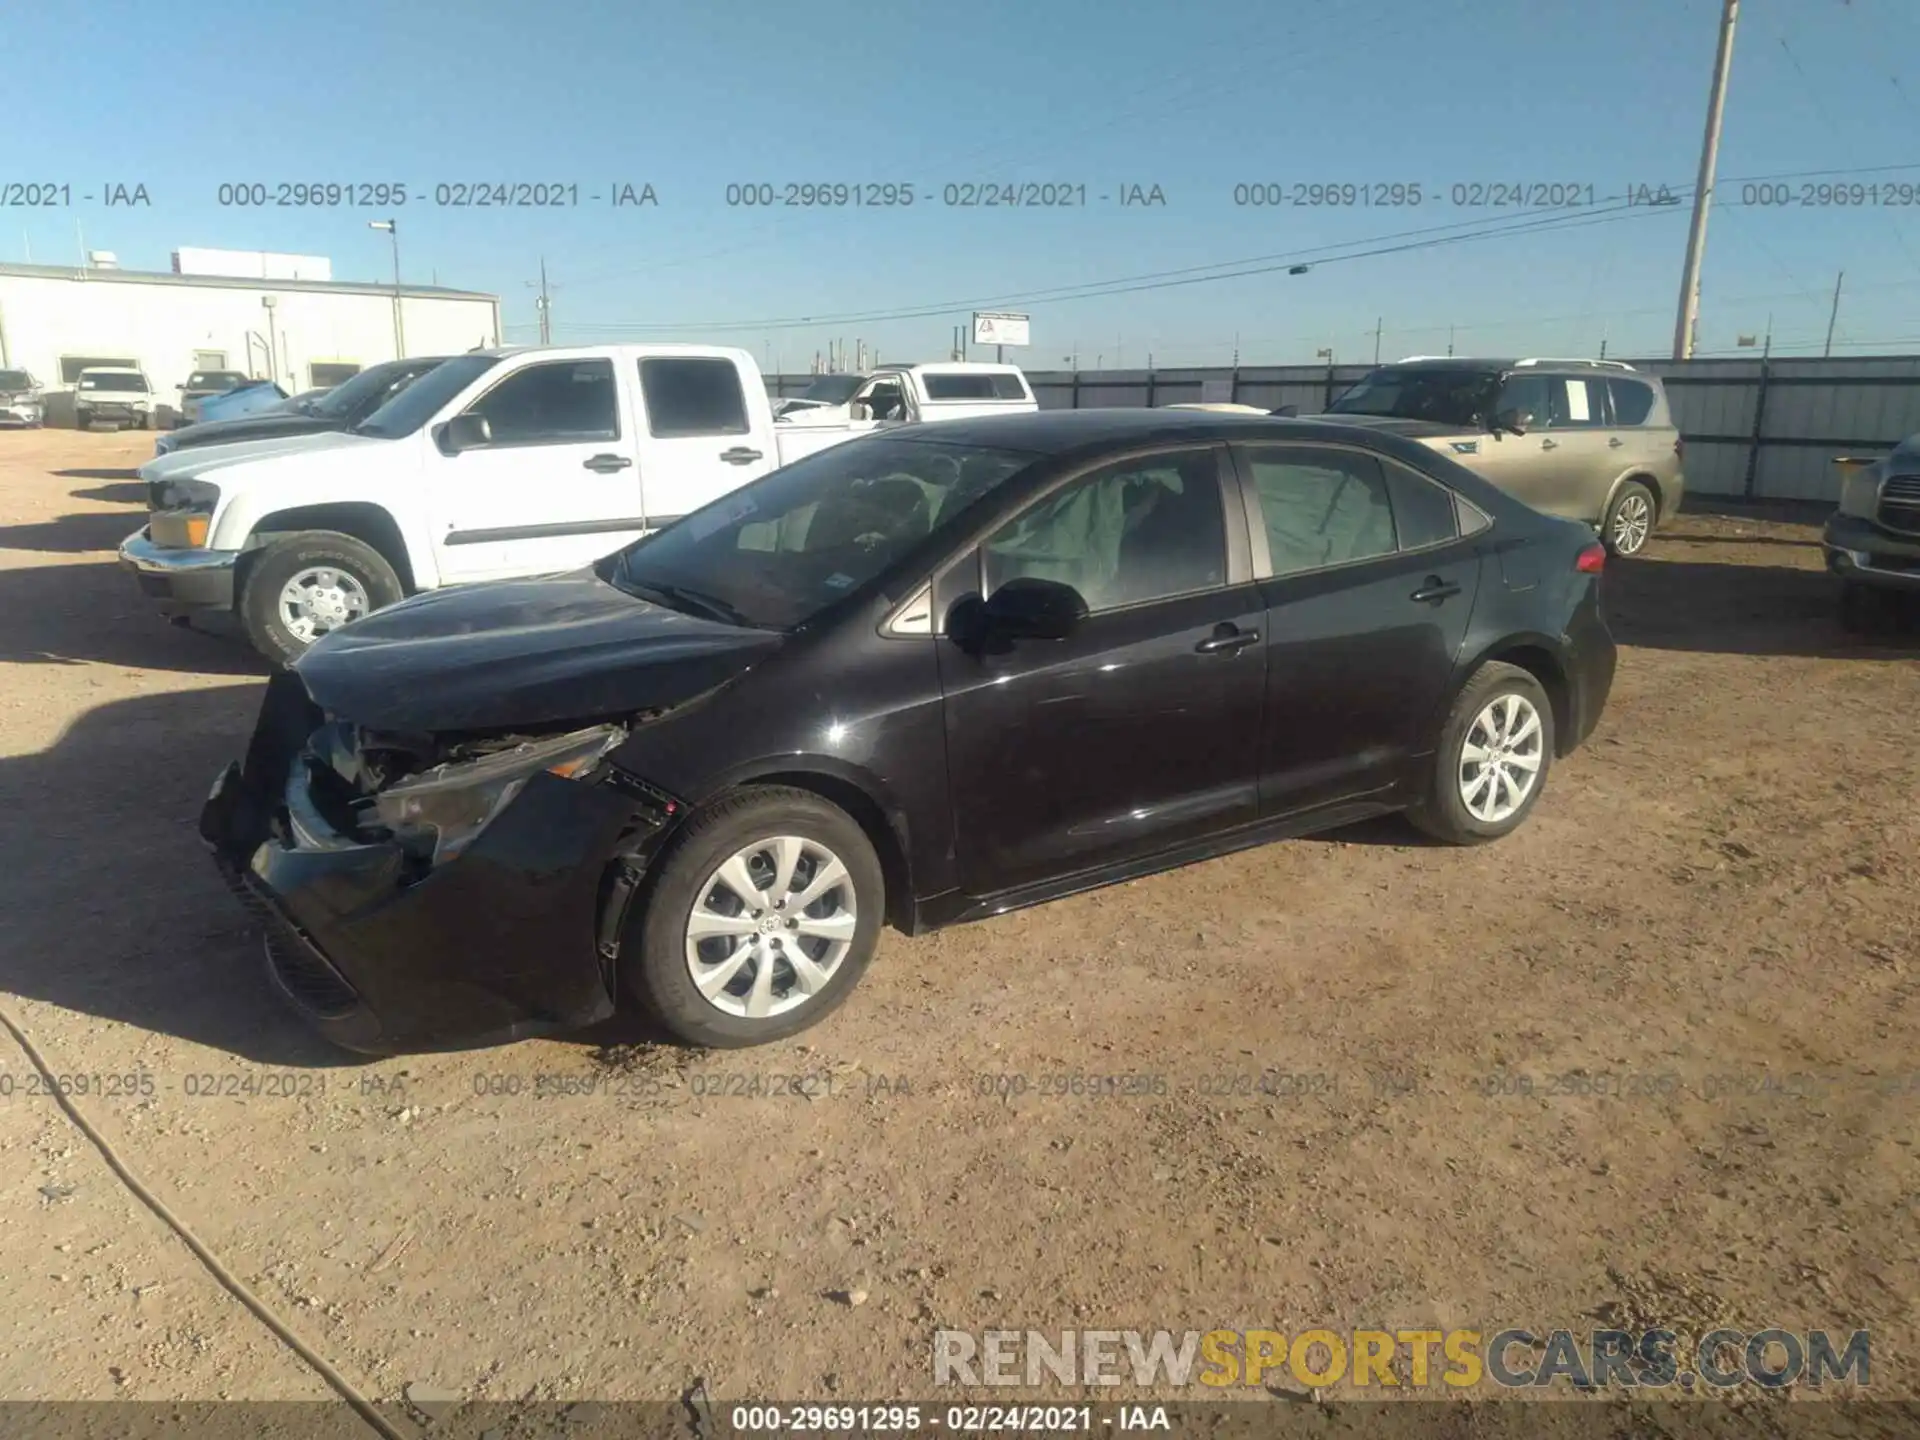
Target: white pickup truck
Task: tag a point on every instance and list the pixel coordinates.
(495, 464)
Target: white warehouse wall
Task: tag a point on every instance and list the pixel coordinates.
(161, 322)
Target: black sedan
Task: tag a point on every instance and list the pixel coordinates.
(341, 408)
(918, 678)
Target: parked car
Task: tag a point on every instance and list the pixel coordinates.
(1872, 541)
(497, 463)
(254, 397)
(203, 385)
(926, 677)
(312, 413)
(20, 400)
(114, 393)
(1590, 440)
(917, 394)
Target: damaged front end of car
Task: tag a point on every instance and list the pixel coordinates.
(437, 890)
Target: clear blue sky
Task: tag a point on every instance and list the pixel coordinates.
(1100, 93)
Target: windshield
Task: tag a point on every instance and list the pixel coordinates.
(15, 380)
(775, 553)
(1447, 397)
(215, 380)
(351, 396)
(98, 381)
(834, 389)
(424, 399)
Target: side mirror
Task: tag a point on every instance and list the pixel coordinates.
(465, 432)
(1030, 609)
(1516, 422)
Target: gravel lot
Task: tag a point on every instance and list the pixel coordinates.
(1711, 916)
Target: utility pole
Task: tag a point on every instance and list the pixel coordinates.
(1450, 339)
(1832, 315)
(1683, 325)
(544, 304)
(1377, 325)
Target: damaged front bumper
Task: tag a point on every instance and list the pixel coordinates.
(516, 936)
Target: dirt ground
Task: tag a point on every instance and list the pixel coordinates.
(1711, 917)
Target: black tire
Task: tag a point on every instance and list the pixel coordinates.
(1441, 812)
(1633, 493)
(654, 959)
(82, 419)
(143, 422)
(274, 566)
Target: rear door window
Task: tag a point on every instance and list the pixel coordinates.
(695, 395)
(1632, 401)
(1321, 507)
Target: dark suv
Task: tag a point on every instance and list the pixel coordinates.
(1589, 440)
(1872, 541)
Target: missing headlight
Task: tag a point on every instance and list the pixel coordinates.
(438, 812)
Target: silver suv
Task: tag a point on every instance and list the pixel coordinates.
(1589, 440)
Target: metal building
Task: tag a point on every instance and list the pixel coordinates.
(55, 320)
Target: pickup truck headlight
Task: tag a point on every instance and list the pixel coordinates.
(182, 517)
(443, 810)
(1860, 494)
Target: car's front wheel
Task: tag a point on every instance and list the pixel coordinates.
(1492, 760)
(764, 916)
(308, 585)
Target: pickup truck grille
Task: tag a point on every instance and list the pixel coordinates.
(1900, 503)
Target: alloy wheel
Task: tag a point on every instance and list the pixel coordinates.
(1500, 758)
(1632, 523)
(771, 926)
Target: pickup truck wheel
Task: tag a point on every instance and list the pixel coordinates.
(1492, 760)
(762, 920)
(309, 585)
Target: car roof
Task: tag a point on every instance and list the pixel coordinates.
(1055, 432)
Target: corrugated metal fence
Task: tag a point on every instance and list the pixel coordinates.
(1764, 429)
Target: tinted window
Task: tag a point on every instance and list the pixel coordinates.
(1321, 507)
(1577, 404)
(72, 365)
(370, 389)
(1422, 511)
(553, 404)
(699, 396)
(998, 386)
(1530, 395)
(1449, 396)
(1137, 531)
(422, 400)
(134, 383)
(1632, 401)
(776, 552)
(11, 380)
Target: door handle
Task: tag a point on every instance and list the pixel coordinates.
(1549, 444)
(1615, 443)
(739, 455)
(606, 464)
(1228, 639)
(1434, 591)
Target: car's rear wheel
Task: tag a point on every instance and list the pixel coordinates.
(764, 916)
(1492, 759)
(1629, 520)
(309, 585)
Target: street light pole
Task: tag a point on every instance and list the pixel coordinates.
(1703, 189)
(392, 228)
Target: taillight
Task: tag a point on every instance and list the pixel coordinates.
(1592, 560)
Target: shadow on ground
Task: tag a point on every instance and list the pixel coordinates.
(66, 614)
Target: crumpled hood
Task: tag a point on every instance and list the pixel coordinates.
(197, 461)
(512, 653)
(268, 425)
